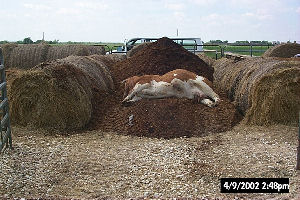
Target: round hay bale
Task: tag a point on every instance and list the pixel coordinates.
(136, 49)
(286, 50)
(265, 90)
(63, 51)
(94, 66)
(24, 56)
(27, 56)
(276, 98)
(208, 60)
(60, 94)
(51, 99)
(11, 75)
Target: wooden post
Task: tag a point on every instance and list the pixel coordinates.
(298, 149)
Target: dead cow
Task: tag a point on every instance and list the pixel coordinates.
(178, 83)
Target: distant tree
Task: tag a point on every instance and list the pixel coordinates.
(4, 42)
(27, 40)
(242, 42)
(53, 42)
(218, 42)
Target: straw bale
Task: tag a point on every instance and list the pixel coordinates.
(136, 49)
(60, 94)
(51, 99)
(286, 50)
(29, 55)
(24, 56)
(265, 90)
(208, 60)
(99, 75)
(62, 51)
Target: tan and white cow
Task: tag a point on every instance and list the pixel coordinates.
(178, 83)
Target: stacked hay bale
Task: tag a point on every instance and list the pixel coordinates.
(167, 118)
(286, 50)
(62, 51)
(29, 55)
(59, 95)
(208, 60)
(266, 90)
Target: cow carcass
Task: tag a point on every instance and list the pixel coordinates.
(178, 83)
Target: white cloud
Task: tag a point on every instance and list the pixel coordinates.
(92, 5)
(40, 7)
(298, 10)
(68, 11)
(259, 14)
(204, 2)
(175, 6)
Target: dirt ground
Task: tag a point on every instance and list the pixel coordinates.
(97, 164)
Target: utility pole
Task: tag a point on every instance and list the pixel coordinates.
(43, 37)
(177, 32)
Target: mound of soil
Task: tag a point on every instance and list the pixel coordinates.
(159, 58)
(167, 118)
(162, 118)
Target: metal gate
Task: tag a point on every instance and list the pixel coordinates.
(5, 131)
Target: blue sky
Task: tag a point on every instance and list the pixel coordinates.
(116, 20)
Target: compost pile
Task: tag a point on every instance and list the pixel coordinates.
(159, 58)
(166, 118)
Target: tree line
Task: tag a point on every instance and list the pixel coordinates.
(263, 42)
(28, 40)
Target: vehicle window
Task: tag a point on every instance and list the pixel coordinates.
(189, 44)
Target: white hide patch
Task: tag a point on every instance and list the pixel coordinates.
(199, 78)
(175, 75)
(189, 89)
(177, 88)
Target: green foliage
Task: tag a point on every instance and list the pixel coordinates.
(4, 42)
(27, 40)
(217, 42)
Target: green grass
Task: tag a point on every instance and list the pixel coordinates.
(243, 50)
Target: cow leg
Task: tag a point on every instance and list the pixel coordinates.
(201, 85)
(208, 102)
(137, 88)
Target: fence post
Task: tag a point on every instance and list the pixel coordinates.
(298, 149)
(251, 53)
(6, 140)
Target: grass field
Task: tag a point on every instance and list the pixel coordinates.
(244, 50)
